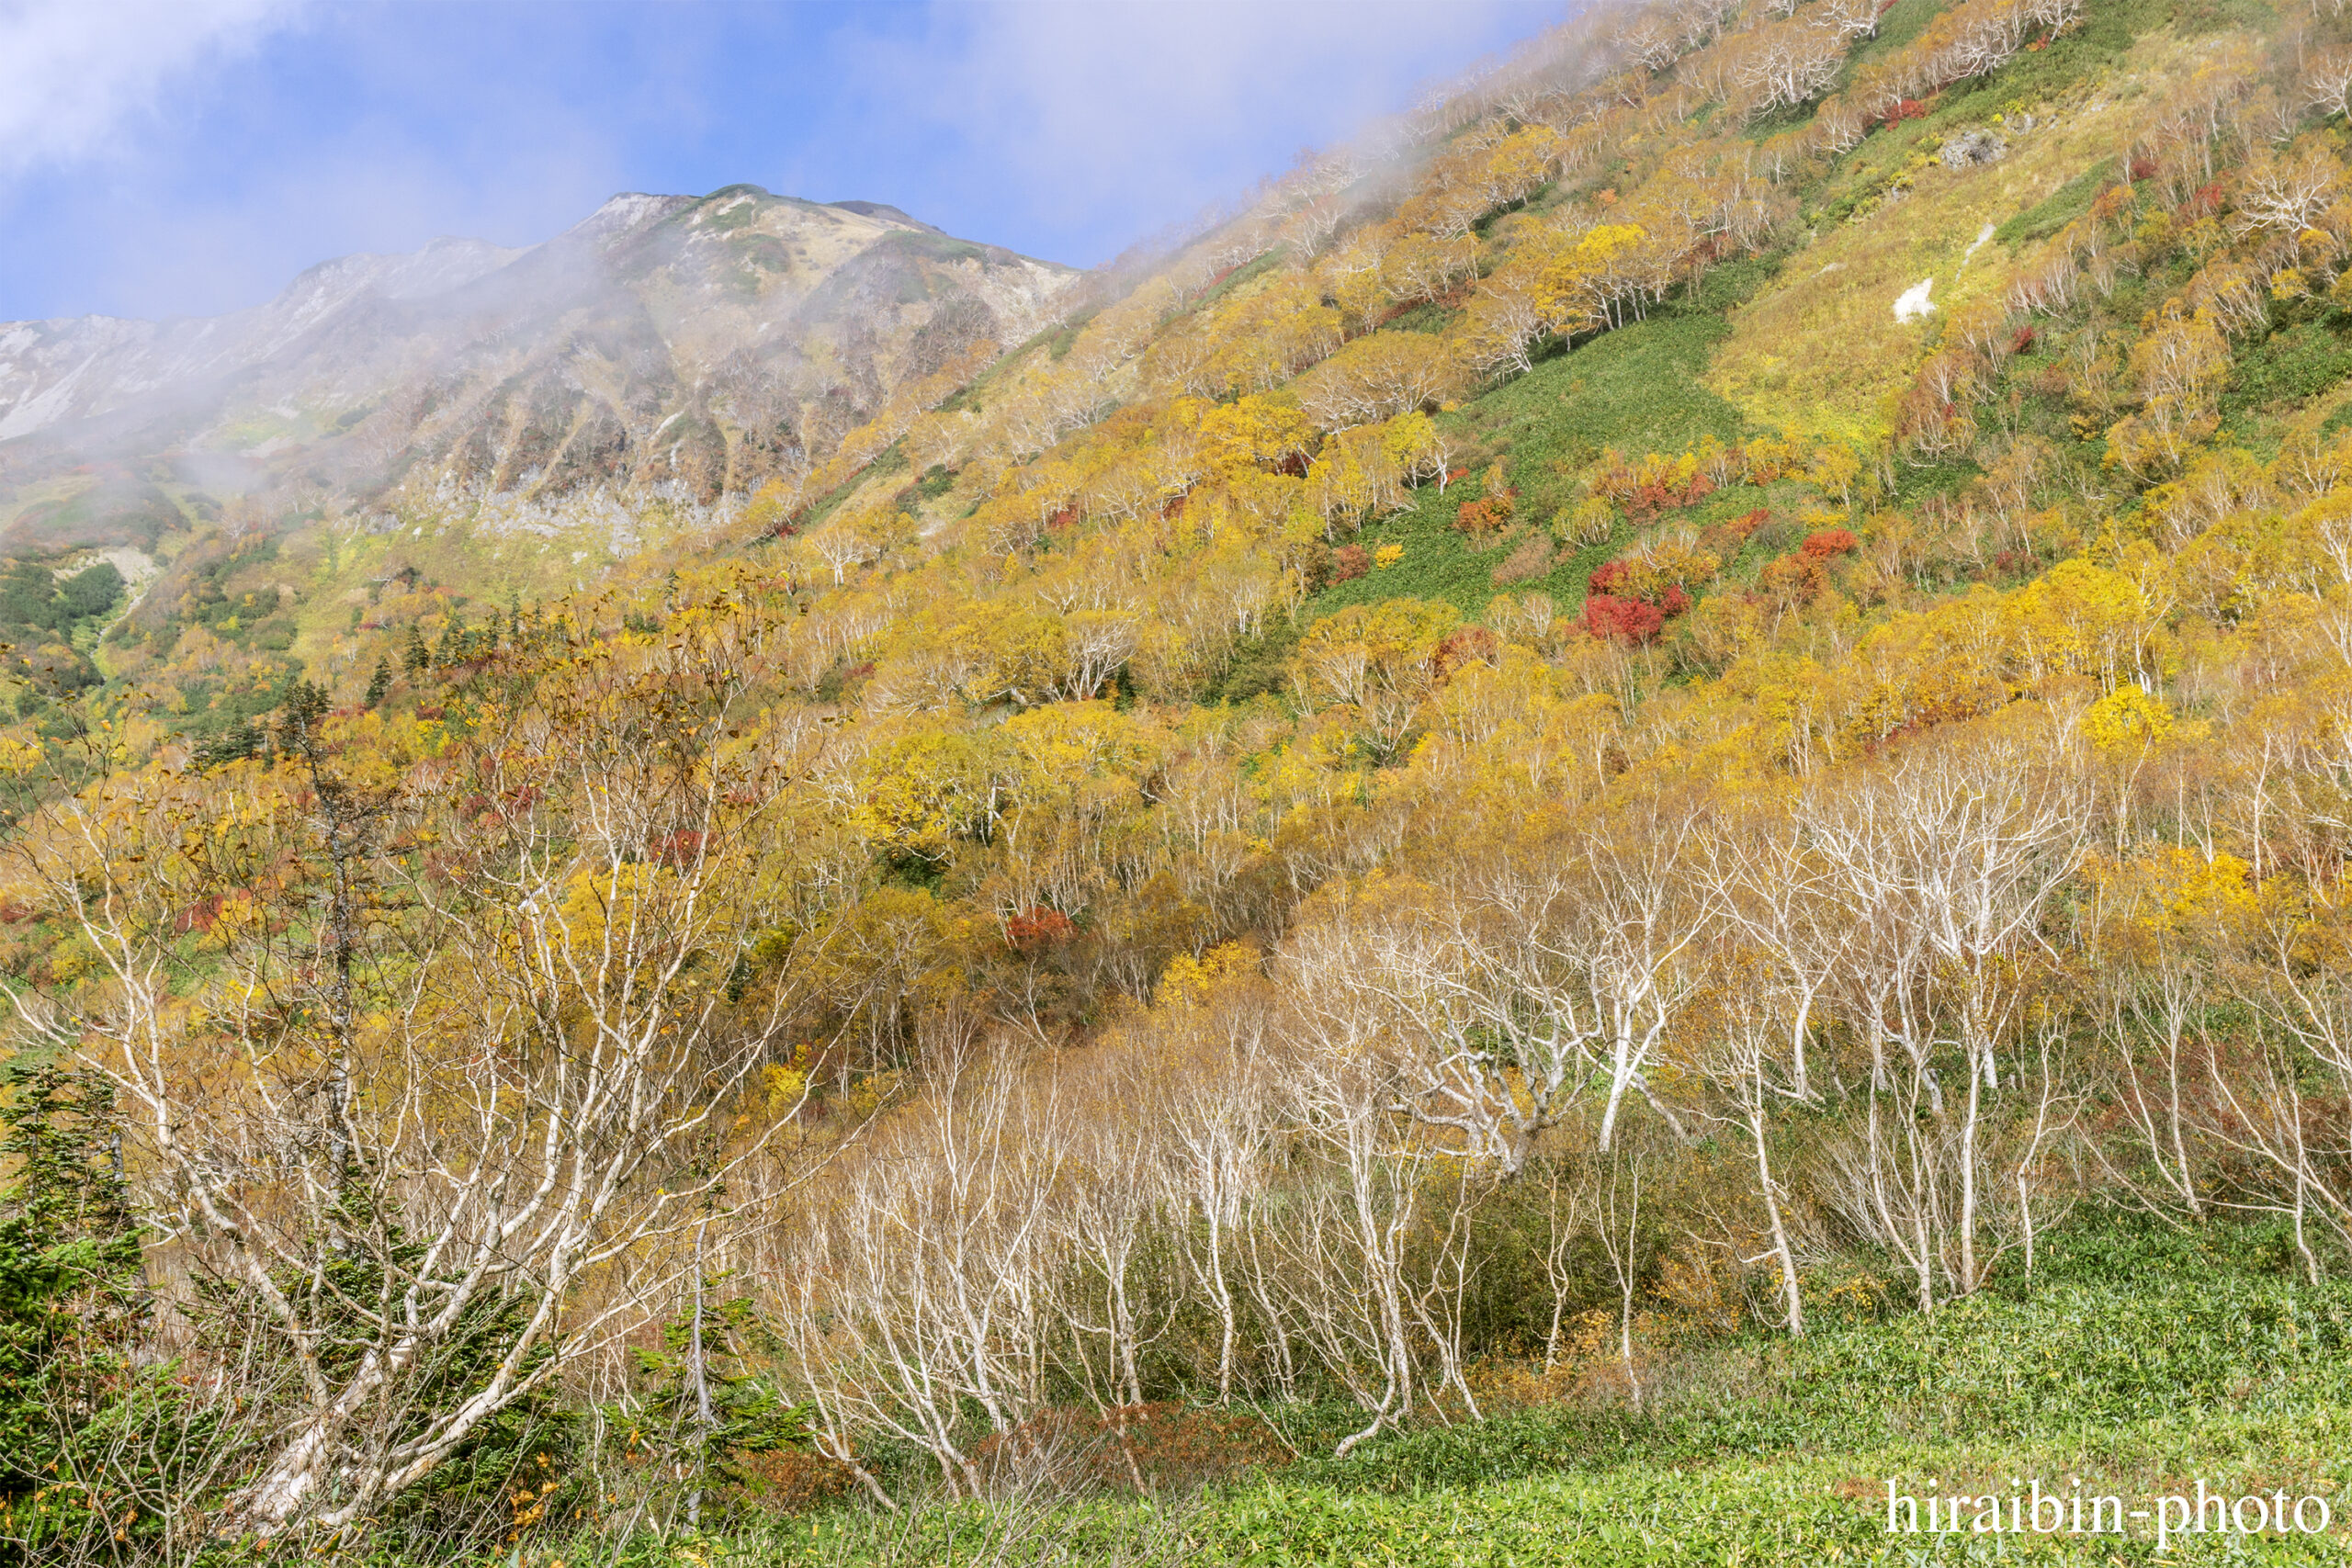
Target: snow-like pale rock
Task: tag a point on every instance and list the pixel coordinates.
(1915, 303)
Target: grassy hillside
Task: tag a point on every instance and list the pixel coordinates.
(2136, 1362)
(1596, 828)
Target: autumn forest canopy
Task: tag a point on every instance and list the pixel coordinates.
(1653, 773)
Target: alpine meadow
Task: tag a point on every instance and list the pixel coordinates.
(1614, 829)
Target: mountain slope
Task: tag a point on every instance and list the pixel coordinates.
(709, 343)
(1630, 755)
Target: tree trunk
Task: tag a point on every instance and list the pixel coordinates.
(1772, 1211)
(1968, 1184)
(701, 1392)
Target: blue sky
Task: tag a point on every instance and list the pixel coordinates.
(162, 157)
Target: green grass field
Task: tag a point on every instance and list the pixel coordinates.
(1636, 389)
(2136, 1364)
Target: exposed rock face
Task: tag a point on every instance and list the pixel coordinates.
(706, 341)
(1971, 148)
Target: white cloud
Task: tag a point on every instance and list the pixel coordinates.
(1160, 105)
(189, 156)
(74, 71)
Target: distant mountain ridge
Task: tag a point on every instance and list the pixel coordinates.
(709, 341)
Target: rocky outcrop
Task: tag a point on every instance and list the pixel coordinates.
(707, 342)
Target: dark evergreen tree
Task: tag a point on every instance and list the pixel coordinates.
(234, 744)
(708, 1404)
(73, 1303)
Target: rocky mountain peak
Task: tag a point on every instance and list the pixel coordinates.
(709, 342)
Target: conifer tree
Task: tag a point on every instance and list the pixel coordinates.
(73, 1296)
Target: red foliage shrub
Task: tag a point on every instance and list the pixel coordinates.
(1902, 109)
(1611, 613)
(1700, 487)
(1792, 580)
(1626, 620)
(1654, 484)
(680, 848)
(1486, 517)
(840, 681)
(1036, 929)
(1350, 562)
(1799, 577)
(1724, 537)
(198, 916)
(1471, 645)
(2142, 168)
(2022, 341)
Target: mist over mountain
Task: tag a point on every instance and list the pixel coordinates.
(706, 343)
